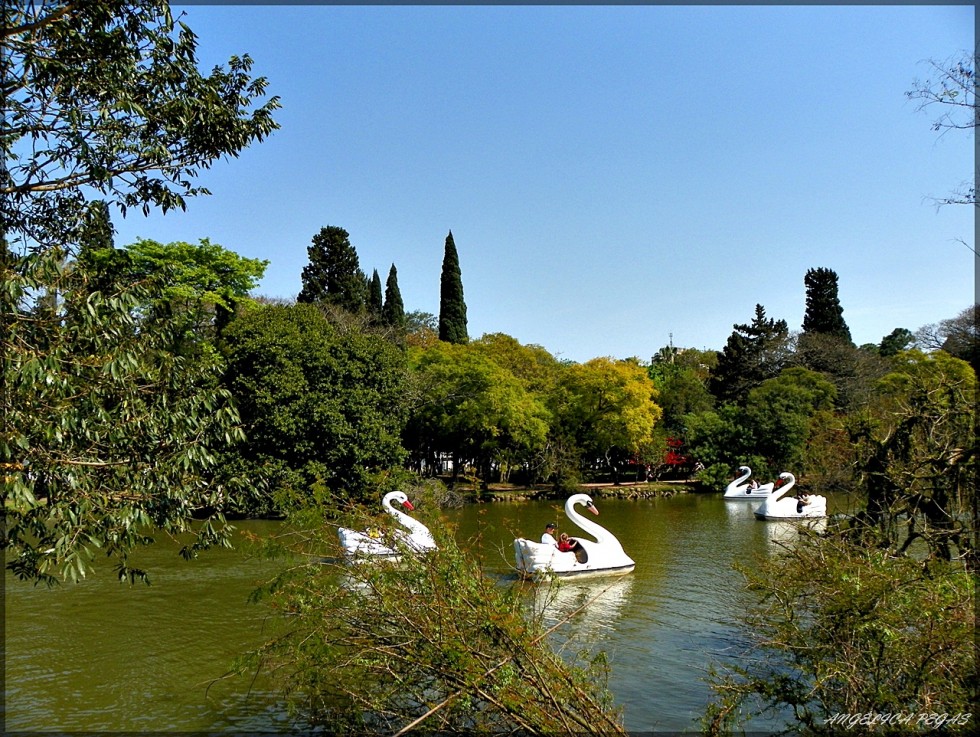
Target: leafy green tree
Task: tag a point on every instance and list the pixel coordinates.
(722, 440)
(772, 432)
(104, 97)
(393, 311)
(681, 377)
(824, 313)
(752, 354)
(538, 373)
(680, 395)
(205, 274)
(781, 411)
(917, 450)
(318, 405)
(533, 366)
(375, 296)
(108, 432)
(608, 409)
(473, 409)
(334, 274)
(853, 371)
(452, 307)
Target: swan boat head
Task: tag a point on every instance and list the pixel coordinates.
(604, 555)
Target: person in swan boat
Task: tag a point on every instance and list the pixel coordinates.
(567, 544)
(548, 537)
(801, 501)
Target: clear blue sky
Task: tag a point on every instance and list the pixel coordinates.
(612, 175)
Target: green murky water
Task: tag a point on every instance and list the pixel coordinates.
(100, 656)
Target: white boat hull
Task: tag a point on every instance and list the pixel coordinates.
(741, 490)
(363, 545)
(778, 509)
(745, 494)
(372, 545)
(778, 506)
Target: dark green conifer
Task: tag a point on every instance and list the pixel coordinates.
(753, 353)
(96, 231)
(897, 340)
(104, 265)
(334, 273)
(374, 295)
(393, 312)
(824, 314)
(452, 308)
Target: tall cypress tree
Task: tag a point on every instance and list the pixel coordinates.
(824, 314)
(96, 232)
(334, 273)
(103, 263)
(452, 308)
(374, 295)
(393, 312)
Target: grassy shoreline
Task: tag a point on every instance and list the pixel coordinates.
(501, 492)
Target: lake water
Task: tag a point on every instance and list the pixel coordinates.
(100, 656)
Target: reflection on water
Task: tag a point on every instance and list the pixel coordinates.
(783, 533)
(587, 608)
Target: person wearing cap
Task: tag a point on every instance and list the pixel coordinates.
(548, 538)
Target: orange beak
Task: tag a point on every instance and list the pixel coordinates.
(408, 505)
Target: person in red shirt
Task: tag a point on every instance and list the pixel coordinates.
(567, 544)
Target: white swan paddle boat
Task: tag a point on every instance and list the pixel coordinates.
(778, 506)
(368, 545)
(604, 555)
(739, 489)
